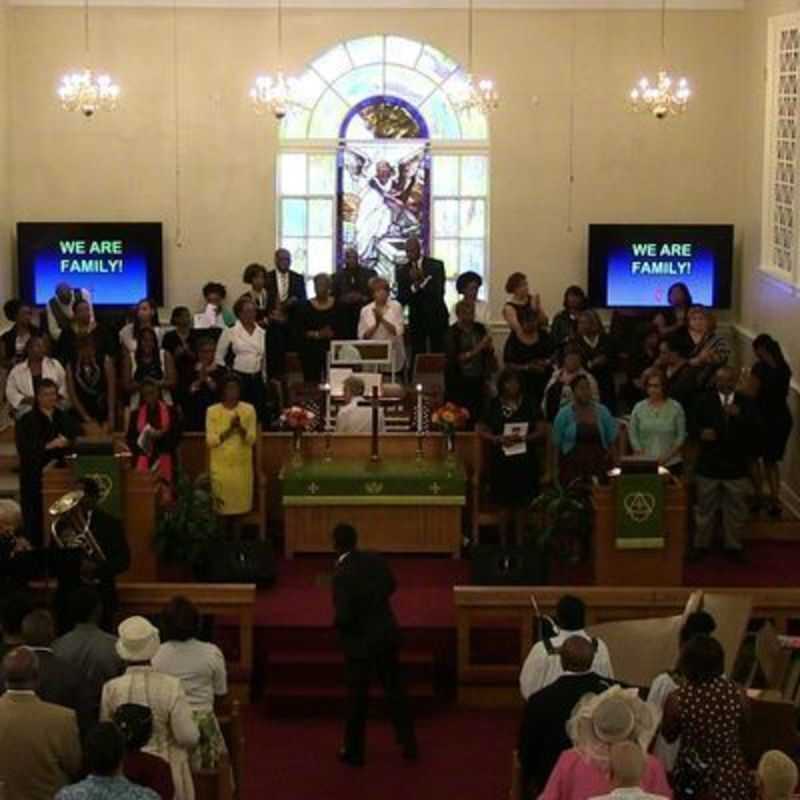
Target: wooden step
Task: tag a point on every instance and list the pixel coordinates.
(9, 485)
(8, 456)
(765, 529)
(332, 657)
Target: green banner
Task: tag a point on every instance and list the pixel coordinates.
(105, 470)
(361, 482)
(640, 512)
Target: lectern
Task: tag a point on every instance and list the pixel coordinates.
(640, 528)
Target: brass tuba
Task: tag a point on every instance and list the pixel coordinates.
(69, 526)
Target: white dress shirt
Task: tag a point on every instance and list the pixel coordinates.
(200, 667)
(248, 348)
(661, 688)
(633, 793)
(282, 279)
(542, 668)
(19, 384)
(355, 418)
(393, 314)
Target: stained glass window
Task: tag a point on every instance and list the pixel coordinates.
(384, 99)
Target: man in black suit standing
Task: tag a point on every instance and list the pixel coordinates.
(420, 286)
(543, 732)
(286, 293)
(352, 292)
(362, 588)
(727, 425)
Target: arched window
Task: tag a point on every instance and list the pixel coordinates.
(377, 152)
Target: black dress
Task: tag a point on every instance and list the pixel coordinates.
(184, 356)
(91, 387)
(773, 408)
(513, 480)
(518, 353)
(604, 346)
(200, 398)
(66, 348)
(314, 352)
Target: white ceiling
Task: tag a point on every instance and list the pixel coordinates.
(544, 5)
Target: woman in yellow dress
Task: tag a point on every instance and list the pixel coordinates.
(231, 431)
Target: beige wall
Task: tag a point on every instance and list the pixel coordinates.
(5, 243)
(627, 168)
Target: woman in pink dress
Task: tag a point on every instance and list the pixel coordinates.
(598, 722)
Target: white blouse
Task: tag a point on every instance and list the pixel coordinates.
(248, 348)
(200, 666)
(19, 384)
(393, 314)
(128, 339)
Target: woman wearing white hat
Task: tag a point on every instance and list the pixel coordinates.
(174, 730)
(598, 722)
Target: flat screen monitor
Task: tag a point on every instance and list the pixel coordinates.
(633, 266)
(119, 263)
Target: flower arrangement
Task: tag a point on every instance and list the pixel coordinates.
(297, 418)
(450, 418)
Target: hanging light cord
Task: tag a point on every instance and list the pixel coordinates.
(470, 15)
(178, 211)
(86, 29)
(571, 177)
(280, 35)
(663, 28)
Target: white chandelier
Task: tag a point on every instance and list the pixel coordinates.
(86, 91)
(475, 94)
(667, 96)
(274, 95)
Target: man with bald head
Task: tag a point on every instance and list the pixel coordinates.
(727, 427)
(40, 750)
(543, 732)
(627, 762)
(421, 286)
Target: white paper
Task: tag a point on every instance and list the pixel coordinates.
(516, 429)
(337, 378)
(371, 379)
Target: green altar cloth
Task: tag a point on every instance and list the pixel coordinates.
(359, 482)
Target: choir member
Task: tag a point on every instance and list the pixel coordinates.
(598, 354)
(202, 388)
(674, 319)
(565, 324)
(708, 351)
(61, 309)
(255, 276)
(382, 320)
(770, 383)
(149, 361)
(681, 378)
(26, 376)
(15, 339)
(520, 299)
(513, 426)
(91, 382)
(215, 315)
(144, 315)
(180, 343)
(243, 348)
(421, 286)
(286, 292)
(351, 290)
(530, 353)
(81, 325)
(468, 284)
(470, 361)
(584, 433)
(153, 436)
(644, 357)
(558, 391)
(319, 323)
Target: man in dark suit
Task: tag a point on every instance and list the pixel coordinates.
(286, 293)
(74, 568)
(362, 588)
(352, 292)
(420, 286)
(727, 425)
(543, 732)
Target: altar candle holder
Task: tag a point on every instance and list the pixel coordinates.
(328, 456)
(420, 432)
(326, 388)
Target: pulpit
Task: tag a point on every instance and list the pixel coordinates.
(653, 556)
(138, 499)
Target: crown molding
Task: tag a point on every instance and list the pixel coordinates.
(488, 5)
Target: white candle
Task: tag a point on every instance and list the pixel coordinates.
(419, 408)
(327, 389)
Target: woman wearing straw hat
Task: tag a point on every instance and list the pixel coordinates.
(598, 722)
(174, 730)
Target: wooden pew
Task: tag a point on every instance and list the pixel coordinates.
(495, 683)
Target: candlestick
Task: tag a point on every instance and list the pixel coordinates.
(419, 408)
(326, 387)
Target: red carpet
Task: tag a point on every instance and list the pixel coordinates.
(464, 755)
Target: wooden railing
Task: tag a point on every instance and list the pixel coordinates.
(486, 682)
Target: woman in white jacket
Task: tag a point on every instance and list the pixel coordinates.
(25, 376)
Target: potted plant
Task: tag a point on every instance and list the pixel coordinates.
(560, 523)
(187, 529)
